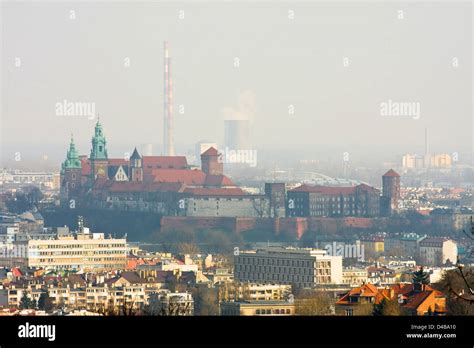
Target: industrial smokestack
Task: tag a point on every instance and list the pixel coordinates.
(168, 141)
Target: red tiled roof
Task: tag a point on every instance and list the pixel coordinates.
(210, 152)
(365, 187)
(118, 162)
(149, 163)
(206, 191)
(366, 290)
(130, 186)
(16, 272)
(416, 300)
(391, 172)
(187, 176)
(218, 180)
(164, 162)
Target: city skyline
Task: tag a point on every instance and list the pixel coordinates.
(305, 159)
(302, 110)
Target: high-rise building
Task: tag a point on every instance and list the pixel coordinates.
(410, 161)
(442, 160)
(237, 134)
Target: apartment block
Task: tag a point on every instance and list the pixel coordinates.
(266, 308)
(438, 251)
(299, 267)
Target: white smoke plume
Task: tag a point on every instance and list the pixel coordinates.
(245, 109)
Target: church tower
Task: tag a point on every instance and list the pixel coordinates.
(98, 158)
(71, 171)
(136, 167)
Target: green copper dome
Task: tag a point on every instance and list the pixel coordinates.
(72, 158)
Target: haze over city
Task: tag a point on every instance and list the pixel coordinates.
(310, 76)
(307, 159)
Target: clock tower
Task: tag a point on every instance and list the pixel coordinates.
(98, 158)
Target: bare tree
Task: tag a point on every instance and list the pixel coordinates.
(310, 302)
(260, 206)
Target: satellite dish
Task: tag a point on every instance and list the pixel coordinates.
(400, 298)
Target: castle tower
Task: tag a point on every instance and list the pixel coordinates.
(71, 171)
(98, 157)
(136, 167)
(390, 192)
(210, 163)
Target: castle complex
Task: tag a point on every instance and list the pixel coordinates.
(160, 184)
(166, 185)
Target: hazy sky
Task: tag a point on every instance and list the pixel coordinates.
(290, 56)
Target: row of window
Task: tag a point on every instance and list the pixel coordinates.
(274, 311)
(80, 246)
(289, 278)
(78, 253)
(272, 261)
(57, 260)
(275, 269)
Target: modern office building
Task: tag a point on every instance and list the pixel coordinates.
(303, 268)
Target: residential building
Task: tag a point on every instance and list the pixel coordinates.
(265, 308)
(437, 251)
(171, 303)
(354, 276)
(373, 246)
(406, 244)
(381, 275)
(219, 275)
(253, 292)
(300, 267)
(414, 299)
